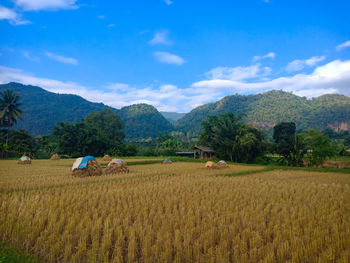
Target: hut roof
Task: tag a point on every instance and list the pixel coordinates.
(204, 149)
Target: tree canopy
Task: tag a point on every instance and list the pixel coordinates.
(231, 138)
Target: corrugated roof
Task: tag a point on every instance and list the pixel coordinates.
(204, 149)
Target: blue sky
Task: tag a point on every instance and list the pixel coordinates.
(176, 54)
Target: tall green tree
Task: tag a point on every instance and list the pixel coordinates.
(287, 144)
(108, 124)
(9, 110)
(319, 147)
(99, 133)
(231, 138)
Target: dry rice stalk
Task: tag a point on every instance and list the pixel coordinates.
(93, 169)
(106, 158)
(55, 157)
(167, 162)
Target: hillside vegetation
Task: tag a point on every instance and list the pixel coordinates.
(43, 109)
(267, 109)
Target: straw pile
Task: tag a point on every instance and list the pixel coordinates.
(210, 165)
(222, 164)
(55, 157)
(93, 169)
(24, 160)
(116, 166)
(106, 158)
(167, 161)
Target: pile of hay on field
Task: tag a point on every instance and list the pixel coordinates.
(210, 165)
(55, 157)
(167, 161)
(222, 164)
(86, 166)
(335, 164)
(24, 160)
(106, 158)
(116, 166)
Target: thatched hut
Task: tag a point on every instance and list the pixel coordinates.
(116, 166)
(167, 161)
(24, 160)
(106, 158)
(55, 157)
(86, 166)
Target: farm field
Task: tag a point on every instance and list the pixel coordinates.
(175, 213)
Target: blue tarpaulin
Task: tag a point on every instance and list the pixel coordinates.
(167, 160)
(84, 162)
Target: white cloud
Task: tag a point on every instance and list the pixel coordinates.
(168, 2)
(299, 64)
(12, 16)
(101, 17)
(160, 37)
(36, 5)
(61, 59)
(27, 55)
(111, 25)
(333, 77)
(271, 55)
(343, 45)
(238, 73)
(168, 58)
(165, 97)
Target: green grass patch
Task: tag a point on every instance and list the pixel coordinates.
(11, 255)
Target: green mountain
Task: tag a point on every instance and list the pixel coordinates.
(172, 116)
(143, 121)
(43, 109)
(266, 109)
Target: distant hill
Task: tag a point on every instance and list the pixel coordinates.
(267, 109)
(43, 109)
(143, 121)
(172, 116)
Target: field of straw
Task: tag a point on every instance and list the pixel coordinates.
(175, 213)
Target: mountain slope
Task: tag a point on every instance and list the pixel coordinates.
(138, 118)
(267, 109)
(43, 109)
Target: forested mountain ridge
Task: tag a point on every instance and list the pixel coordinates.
(137, 119)
(269, 108)
(43, 109)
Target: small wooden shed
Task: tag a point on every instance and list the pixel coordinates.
(205, 152)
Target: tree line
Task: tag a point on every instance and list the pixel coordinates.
(103, 133)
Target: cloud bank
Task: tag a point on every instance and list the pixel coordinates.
(333, 77)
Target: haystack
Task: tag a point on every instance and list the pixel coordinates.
(106, 158)
(87, 166)
(24, 160)
(210, 165)
(167, 161)
(116, 166)
(222, 164)
(55, 157)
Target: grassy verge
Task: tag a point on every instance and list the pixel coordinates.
(11, 255)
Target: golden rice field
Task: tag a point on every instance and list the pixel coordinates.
(175, 213)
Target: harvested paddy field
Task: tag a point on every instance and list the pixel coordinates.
(175, 213)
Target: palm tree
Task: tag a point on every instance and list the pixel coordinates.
(9, 109)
